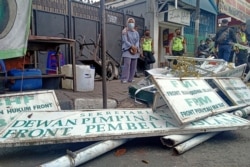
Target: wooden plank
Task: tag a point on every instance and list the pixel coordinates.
(189, 99)
(36, 128)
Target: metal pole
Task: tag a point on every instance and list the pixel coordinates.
(103, 48)
(86, 154)
(197, 22)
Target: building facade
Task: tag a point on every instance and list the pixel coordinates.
(162, 17)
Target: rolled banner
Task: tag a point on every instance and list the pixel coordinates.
(195, 139)
(181, 148)
(82, 156)
(173, 140)
(244, 112)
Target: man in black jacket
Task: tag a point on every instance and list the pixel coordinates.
(224, 39)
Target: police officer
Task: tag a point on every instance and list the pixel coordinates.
(241, 56)
(147, 45)
(177, 45)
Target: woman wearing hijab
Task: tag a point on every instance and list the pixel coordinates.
(130, 51)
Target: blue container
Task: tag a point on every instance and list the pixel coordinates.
(2, 74)
(52, 62)
(25, 84)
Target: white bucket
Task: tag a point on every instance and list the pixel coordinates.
(84, 77)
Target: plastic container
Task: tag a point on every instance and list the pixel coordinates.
(52, 62)
(25, 84)
(84, 77)
(3, 75)
(67, 70)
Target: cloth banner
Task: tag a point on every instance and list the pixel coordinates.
(14, 27)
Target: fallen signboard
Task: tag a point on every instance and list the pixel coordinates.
(36, 128)
(237, 71)
(235, 89)
(189, 99)
(12, 104)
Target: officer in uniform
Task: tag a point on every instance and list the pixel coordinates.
(241, 56)
(177, 45)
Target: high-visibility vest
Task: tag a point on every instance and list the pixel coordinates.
(243, 38)
(178, 44)
(147, 44)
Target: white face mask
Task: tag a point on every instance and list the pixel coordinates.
(131, 25)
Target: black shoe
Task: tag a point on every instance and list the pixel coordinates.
(136, 75)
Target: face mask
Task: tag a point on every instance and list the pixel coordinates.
(131, 25)
(202, 43)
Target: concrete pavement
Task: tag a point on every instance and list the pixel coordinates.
(116, 93)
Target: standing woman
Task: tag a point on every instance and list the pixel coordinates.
(130, 51)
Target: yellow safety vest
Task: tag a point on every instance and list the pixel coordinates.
(243, 38)
(147, 44)
(177, 44)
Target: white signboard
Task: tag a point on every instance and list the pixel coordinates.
(178, 15)
(34, 128)
(189, 99)
(235, 89)
(12, 104)
(234, 72)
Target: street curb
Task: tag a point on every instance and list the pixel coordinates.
(95, 103)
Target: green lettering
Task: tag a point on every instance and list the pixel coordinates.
(117, 127)
(29, 123)
(100, 128)
(51, 133)
(43, 123)
(199, 122)
(57, 123)
(169, 124)
(9, 100)
(71, 122)
(139, 118)
(109, 119)
(3, 122)
(143, 125)
(21, 133)
(119, 118)
(89, 128)
(66, 131)
(19, 123)
(232, 120)
(151, 118)
(174, 83)
(218, 121)
(186, 84)
(131, 126)
(165, 117)
(155, 126)
(36, 133)
(85, 120)
(27, 99)
(10, 133)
